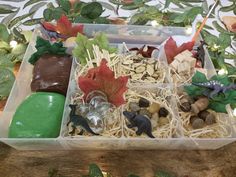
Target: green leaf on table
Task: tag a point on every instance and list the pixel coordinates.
(95, 171)
(167, 3)
(187, 16)
(57, 13)
(45, 47)
(220, 28)
(48, 14)
(161, 173)
(5, 11)
(9, 17)
(7, 79)
(81, 19)
(4, 35)
(84, 44)
(227, 8)
(108, 6)
(92, 10)
(7, 6)
(101, 20)
(32, 22)
(18, 35)
(224, 40)
(30, 2)
(36, 7)
(18, 19)
(130, 6)
(65, 5)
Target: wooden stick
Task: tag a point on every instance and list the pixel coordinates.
(203, 23)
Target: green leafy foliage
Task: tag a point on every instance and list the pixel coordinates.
(4, 34)
(187, 17)
(7, 79)
(92, 10)
(95, 171)
(84, 44)
(219, 101)
(45, 47)
(162, 173)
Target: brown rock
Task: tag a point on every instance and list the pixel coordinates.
(198, 123)
(210, 119)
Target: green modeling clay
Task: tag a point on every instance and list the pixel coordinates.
(38, 116)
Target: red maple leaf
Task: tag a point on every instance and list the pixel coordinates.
(102, 78)
(64, 27)
(172, 50)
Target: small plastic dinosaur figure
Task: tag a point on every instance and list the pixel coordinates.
(143, 123)
(52, 34)
(214, 87)
(201, 53)
(78, 120)
(147, 53)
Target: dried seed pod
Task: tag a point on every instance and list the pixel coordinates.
(136, 76)
(143, 102)
(150, 70)
(154, 107)
(200, 105)
(198, 123)
(134, 107)
(140, 69)
(163, 112)
(127, 62)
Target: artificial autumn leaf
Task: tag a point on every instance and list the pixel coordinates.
(230, 23)
(147, 53)
(64, 27)
(172, 50)
(102, 78)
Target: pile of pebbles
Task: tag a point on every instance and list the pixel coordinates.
(202, 116)
(142, 69)
(154, 111)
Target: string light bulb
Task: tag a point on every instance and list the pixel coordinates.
(222, 71)
(13, 44)
(188, 30)
(154, 23)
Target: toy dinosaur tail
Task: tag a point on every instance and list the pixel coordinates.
(150, 135)
(88, 129)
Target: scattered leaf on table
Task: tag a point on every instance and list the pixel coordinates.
(32, 22)
(18, 19)
(95, 171)
(92, 10)
(9, 17)
(30, 2)
(36, 7)
(5, 11)
(102, 78)
(230, 22)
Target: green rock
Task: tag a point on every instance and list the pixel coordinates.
(38, 116)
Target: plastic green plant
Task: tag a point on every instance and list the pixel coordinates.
(218, 102)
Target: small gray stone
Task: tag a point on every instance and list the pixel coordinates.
(210, 119)
(134, 107)
(198, 123)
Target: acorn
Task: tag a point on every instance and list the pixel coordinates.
(185, 107)
(163, 112)
(200, 105)
(143, 102)
(197, 123)
(192, 118)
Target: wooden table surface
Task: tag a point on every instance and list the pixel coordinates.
(218, 163)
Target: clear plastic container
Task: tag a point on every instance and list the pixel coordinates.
(117, 34)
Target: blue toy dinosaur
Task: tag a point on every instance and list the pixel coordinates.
(214, 88)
